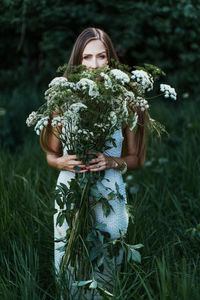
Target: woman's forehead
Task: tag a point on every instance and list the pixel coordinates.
(94, 47)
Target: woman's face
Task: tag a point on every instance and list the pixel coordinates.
(94, 55)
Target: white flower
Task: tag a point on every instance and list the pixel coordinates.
(134, 121)
(58, 88)
(86, 83)
(107, 81)
(56, 121)
(130, 97)
(142, 103)
(145, 79)
(113, 118)
(32, 118)
(41, 124)
(77, 106)
(58, 81)
(72, 114)
(125, 110)
(168, 91)
(119, 75)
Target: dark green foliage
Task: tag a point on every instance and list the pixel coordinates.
(37, 37)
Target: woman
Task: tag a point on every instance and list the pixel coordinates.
(94, 49)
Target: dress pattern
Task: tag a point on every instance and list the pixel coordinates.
(117, 220)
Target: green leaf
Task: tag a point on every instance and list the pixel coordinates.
(104, 292)
(81, 283)
(101, 185)
(106, 208)
(95, 192)
(100, 226)
(60, 203)
(100, 261)
(94, 252)
(136, 256)
(101, 237)
(60, 219)
(61, 249)
(91, 237)
(111, 196)
(129, 254)
(138, 246)
(93, 285)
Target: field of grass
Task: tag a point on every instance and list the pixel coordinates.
(164, 196)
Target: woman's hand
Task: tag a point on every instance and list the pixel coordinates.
(66, 162)
(101, 162)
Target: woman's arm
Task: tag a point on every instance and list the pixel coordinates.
(132, 158)
(58, 161)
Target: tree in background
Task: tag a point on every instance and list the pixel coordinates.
(38, 36)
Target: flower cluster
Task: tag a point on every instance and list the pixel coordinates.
(168, 91)
(43, 122)
(107, 80)
(141, 103)
(86, 84)
(120, 76)
(143, 78)
(32, 118)
(59, 82)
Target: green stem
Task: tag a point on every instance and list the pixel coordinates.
(76, 228)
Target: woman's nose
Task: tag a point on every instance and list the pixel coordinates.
(94, 63)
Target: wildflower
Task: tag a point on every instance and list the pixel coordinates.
(168, 91)
(41, 124)
(32, 118)
(59, 81)
(77, 106)
(142, 103)
(124, 107)
(134, 121)
(130, 97)
(145, 79)
(121, 76)
(107, 81)
(56, 121)
(85, 83)
(113, 118)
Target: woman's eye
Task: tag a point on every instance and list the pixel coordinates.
(102, 56)
(85, 57)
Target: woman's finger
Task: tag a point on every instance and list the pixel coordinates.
(76, 162)
(97, 169)
(94, 153)
(94, 161)
(72, 157)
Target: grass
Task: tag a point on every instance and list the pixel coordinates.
(164, 197)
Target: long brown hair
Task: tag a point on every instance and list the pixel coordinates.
(83, 39)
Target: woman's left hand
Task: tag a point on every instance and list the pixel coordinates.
(100, 163)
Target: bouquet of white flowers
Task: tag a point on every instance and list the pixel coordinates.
(92, 103)
(83, 110)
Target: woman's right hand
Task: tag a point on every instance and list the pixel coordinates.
(62, 162)
(68, 162)
(65, 162)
